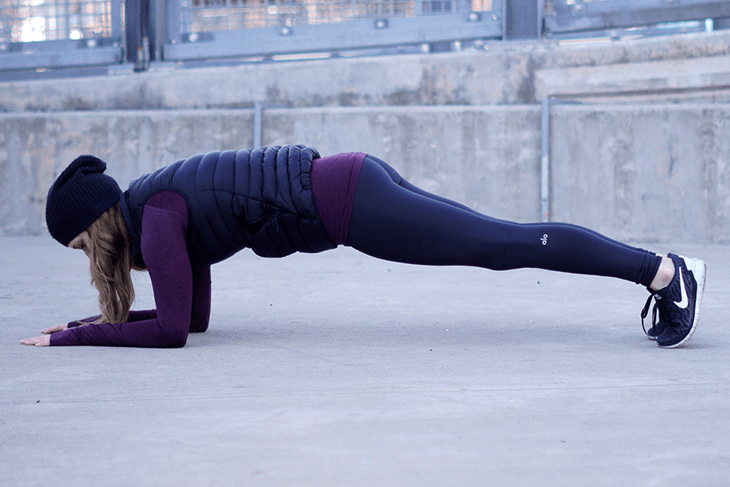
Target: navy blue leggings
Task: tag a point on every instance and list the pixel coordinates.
(394, 220)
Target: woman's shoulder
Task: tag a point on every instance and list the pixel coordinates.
(168, 201)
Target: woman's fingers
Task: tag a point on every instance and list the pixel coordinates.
(41, 341)
(54, 329)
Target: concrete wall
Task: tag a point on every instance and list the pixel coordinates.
(34, 149)
(462, 153)
(637, 173)
(648, 172)
(464, 125)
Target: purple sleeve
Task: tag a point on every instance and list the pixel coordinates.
(140, 315)
(201, 306)
(165, 253)
(201, 301)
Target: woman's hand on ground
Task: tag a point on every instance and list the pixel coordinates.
(54, 329)
(41, 341)
(44, 340)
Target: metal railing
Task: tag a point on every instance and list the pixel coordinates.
(212, 15)
(72, 33)
(198, 29)
(579, 18)
(47, 33)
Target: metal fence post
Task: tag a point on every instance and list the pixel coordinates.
(545, 162)
(521, 19)
(720, 24)
(116, 18)
(258, 124)
(156, 29)
(137, 17)
(173, 26)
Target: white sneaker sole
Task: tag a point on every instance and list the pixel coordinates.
(699, 270)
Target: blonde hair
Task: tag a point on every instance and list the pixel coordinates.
(111, 263)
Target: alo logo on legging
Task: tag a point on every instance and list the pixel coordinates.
(544, 239)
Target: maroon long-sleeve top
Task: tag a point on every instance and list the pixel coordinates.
(182, 294)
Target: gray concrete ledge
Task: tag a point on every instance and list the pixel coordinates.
(502, 74)
(698, 77)
(338, 369)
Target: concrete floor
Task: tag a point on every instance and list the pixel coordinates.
(340, 370)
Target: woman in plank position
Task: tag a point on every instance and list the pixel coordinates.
(180, 219)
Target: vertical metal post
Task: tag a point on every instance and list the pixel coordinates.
(503, 7)
(67, 11)
(258, 122)
(719, 24)
(158, 21)
(132, 30)
(521, 19)
(545, 162)
(116, 19)
(173, 17)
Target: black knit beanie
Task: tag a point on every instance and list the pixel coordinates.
(80, 195)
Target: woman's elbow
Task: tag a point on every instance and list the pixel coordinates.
(176, 340)
(199, 322)
(198, 327)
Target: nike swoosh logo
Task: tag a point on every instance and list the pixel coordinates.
(685, 300)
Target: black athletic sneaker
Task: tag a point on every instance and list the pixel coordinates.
(678, 304)
(656, 329)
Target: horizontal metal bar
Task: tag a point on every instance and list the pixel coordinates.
(59, 59)
(357, 34)
(621, 32)
(60, 46)
(583, 7)
(635, 17)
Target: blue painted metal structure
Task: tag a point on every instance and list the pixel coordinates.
(40, 34)
(582, 17)
(232, 28)
(46, 34)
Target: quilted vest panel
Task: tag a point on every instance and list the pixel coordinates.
(259, 198)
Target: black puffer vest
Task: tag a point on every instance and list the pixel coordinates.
(259, 198)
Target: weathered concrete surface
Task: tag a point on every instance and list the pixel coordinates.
(34, 149)
(640, 173)
(463, 153)
(702, 77)
(502, 74)
(652, 173)
(337, 369)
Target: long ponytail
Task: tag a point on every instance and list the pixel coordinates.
(111, 263)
